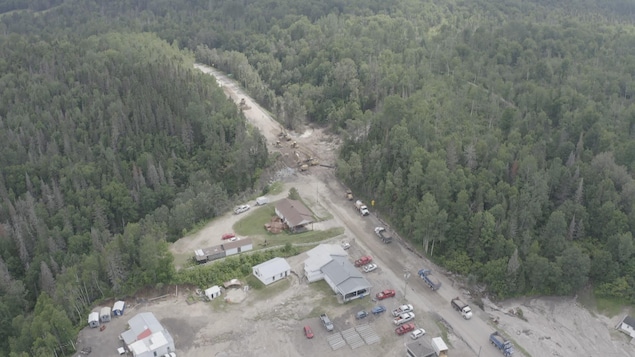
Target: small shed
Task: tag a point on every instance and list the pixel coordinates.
(104, 314)
(212, 292)
(93, 319)
(627, 325)
(272, 270)
(118, 308)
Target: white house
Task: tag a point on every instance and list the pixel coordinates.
(212, 292)
(272, 270)
(627, 325)
(118, 307)
(93, 319)
(104, 314)
(146, 337)
(318, 258)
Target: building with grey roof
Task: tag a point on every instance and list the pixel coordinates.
(345, 280)
(146, 337)
(627, 325)
(318, 257)
(272, 270)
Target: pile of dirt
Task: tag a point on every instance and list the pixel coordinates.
(236, 296)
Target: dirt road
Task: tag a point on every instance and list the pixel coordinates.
(570, 333)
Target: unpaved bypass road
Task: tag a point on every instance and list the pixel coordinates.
(557, 330)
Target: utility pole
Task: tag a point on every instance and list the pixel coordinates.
(406, 275)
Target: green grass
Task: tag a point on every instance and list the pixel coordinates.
(306, 237)
(609, 306)
(262, 291)
(275, 188)
(254, 222)
(444, 333)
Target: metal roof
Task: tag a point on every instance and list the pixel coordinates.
(272, 267)
(295, 213)
(345, 276)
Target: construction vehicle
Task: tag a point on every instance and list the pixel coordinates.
(462, 307)
(284, 135)
(243, 105)
(432, 282)
(349, 195)
(501, 343)
(361, 207)
(383, 234)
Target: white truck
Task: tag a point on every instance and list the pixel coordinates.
(326, 322)
(401, 309)
(439, 346)
(403, 318)
(361, 207)
(383, 234)
(462, 307)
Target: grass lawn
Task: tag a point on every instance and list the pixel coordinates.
(254, 222)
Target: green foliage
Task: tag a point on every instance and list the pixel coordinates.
(294, 194)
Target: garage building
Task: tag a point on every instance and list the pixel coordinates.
(272, 270)
(146, 337)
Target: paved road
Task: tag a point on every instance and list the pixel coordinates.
(395, 258)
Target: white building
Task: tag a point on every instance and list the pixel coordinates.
(146, 337)
(627, 325)
(93, 319)
(104, 314)
(118, 308)
(212, 292)
(272, 270)
(318, 258)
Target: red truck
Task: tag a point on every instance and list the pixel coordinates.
(363, 260)
(404, 328)
(385, 294)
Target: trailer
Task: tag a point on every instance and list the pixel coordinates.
(502, 344)
(440, 348)
(431, 281)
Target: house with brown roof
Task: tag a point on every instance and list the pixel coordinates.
(294, 214)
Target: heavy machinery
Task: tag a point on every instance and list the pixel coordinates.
(243, 105)
(349, 195)
(502, 344)
(432, 282)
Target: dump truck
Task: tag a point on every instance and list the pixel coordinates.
(383, 234)
(502, 344)
(462, 307)
(349, 195)
(361, 207)
(432, 282)
(326, 322)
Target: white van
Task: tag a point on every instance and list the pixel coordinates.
(262, 201)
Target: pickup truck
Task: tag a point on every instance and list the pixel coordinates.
(383, 234)
(403, 318)
(401, 309)
(462, 307)
(363, 260)
(326, 322)
(404, 329)
(432, 282)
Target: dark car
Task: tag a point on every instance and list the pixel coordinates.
(378, 309)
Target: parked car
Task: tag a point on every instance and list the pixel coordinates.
(228, 236)
(346, 245)
(378, 309)
(417, 333)
(369, 267)
(234, 239)
(242, 208)
(385, 294)
(308, 332)
(361, 314)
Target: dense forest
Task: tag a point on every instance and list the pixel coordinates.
(497, 135)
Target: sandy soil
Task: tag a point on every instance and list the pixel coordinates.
(269, 322)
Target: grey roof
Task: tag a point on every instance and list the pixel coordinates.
(237, 243)
(272, 267)
(419, 349)
(629, 321)
(345, 276)
(294, 212)
(139, 324)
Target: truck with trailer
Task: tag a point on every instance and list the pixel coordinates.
(403, 318)
(326, 322)
(462, 307)
(383, 234)
(439, 346)
(361, 207)
(502, 344)
(431, 281)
